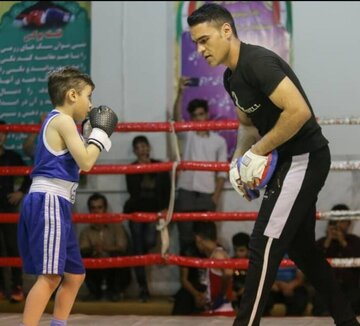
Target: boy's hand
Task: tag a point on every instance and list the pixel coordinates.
(103, 120)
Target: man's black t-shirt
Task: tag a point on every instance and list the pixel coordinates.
(258, 72)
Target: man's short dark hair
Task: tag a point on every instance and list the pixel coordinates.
(97, 196)
(241, 240)
(197, 103)
(212, 12)
(140, 139)
(205, 229)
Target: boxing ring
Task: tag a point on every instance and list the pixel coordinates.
(164, 219)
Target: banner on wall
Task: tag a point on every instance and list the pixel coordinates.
(266, 23)
(35, 38)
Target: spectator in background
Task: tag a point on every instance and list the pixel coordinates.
(192, 296)
(289, 288)
(99, 240)
(149, 192)
(198, 190)
(204, 289)
(339, 243)
(10, 198)
(29, 143)
(240, 243)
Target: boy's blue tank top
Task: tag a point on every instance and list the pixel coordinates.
(51, 164)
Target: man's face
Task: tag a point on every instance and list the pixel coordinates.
(97, 206)
(199, 114)
(142, 151)
(211, 42)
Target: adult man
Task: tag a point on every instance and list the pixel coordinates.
(198, 190)
(100, 240)
(149, 192)
(272, 104)
(340, 243)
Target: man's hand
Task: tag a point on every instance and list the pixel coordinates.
(256, 170)
(14, 198)
(238, 185)
(200, 299)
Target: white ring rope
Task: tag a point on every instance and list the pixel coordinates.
(163, 223)
(339, 121)
(345, 165)
(339, 215)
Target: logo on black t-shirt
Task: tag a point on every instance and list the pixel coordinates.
(250, 109)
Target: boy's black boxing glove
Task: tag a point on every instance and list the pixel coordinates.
(103, 121)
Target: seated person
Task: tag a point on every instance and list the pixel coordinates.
(339, 243)
(99, 240)
(289, 289)
(212, 288)
(240, 242)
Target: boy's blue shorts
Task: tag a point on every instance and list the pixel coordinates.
(46, 237)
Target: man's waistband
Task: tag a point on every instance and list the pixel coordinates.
(63, 188)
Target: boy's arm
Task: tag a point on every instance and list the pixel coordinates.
(65, 126)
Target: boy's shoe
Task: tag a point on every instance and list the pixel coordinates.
(17, 295)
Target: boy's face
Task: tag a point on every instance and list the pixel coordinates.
(83, 103)
(241, 252)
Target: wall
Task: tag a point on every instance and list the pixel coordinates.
(133, 67)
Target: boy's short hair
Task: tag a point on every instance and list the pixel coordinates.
(205, 229)
(63, 79)
(197, 103)
(140, 139)
(241, 240)
(97, 196)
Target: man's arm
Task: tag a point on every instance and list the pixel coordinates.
(222, 156)
(178, 101)
(219, 186)
(247, 134)
(295, 113)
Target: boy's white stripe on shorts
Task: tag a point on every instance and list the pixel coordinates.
(46, 233)
(51, 235)
(58, 235)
